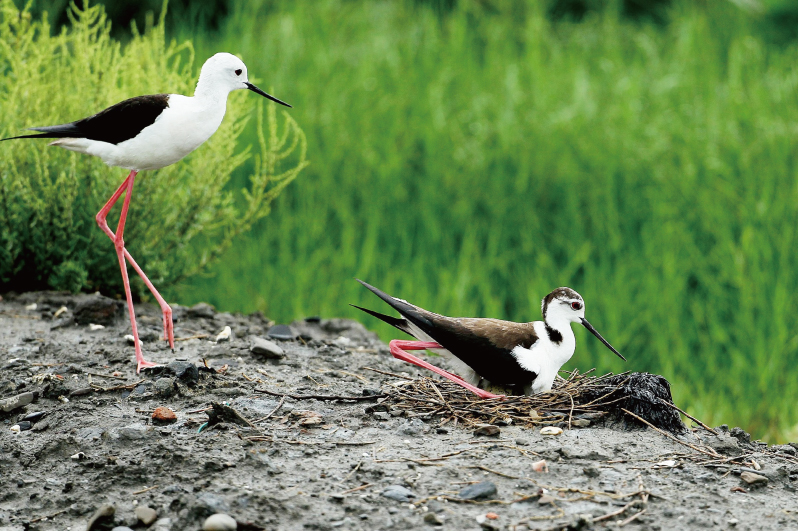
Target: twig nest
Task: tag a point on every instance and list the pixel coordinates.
(551, 430)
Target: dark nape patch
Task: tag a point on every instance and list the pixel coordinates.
(554, 335)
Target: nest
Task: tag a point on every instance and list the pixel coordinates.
(577, 400)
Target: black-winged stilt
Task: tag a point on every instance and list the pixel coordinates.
(147, 133)
(522, 355)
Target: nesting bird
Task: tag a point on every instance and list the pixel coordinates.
(491, 351)
(147, 133)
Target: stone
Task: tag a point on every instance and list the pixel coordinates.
(488, 429)
(203, 310)
(282, 332)
(411, 427)
(265, 348)
(521, 442)
(225, 335)
(753, 479)
(163, 415)
(591, 471)
(487, 523)
(551, 430)
(185, 371)
(132, 432)
(96, 309)
(146, 515)
(478, 491)
(381, 415)
(741, 435)
(220, 522)
(121, 528)
(165, 386)
(100, 516)
(14, 402)
(725, 444)
(398, 493)
(432, 519)
(209, 503)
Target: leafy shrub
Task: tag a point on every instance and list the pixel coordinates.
(181, 217)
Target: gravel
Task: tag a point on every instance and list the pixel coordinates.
(96, 459)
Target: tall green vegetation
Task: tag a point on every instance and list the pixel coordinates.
(471, 162)
(184, 215)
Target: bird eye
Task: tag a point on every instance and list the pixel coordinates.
(576, 305)
(238, 72)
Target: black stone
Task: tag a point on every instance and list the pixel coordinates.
(24, 425)
(96, 309)
(478, 491)
(282, 332)
(185, 371)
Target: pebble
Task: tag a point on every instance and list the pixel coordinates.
(186, 371)
(591, 471)
(163, 415)
(31, 307)
(398, 493)
(432, 519)
(753, 479)
(411, 427)
(282, 332)
(382, 415)
(121, 528)
(488, 429)
(265, 348)
(164, 386)
(441, 431)
(24, 425)
(224, 335)
(478, 491)
(580, 423)
(486, 523)
(551, 430)
(94, 327)
(521, 442)
(60, 311)
(105, 512)
(725, 444)
(96, 309)
(202, 309)
(146, 515)
(33, 417)
(12, 403)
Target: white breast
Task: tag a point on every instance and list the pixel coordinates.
(545, 358)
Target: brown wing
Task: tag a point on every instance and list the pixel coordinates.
(485, 345)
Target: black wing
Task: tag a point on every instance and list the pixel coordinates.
(485, 345)
(115, 124)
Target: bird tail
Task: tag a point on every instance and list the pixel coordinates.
(51, 131)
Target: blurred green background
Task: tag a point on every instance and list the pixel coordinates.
(472, 155)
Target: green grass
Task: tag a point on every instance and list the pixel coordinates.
(472, 163)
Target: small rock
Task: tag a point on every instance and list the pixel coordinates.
(398, 493)
(478, 491)
(521, 442)
(104, 513)
(60, 311)
(265, 348)
(12, 403)
(165, 386)
(24, 425)
(432, 519)
(411, 427)
(486, 523)
(741, 435)
(31, 307)
(381, 415)
(753, 479)
(162, 524)
(591, 471)
(185, 371)
(146, 515)
(488, 429)
(220, 522)
(441, 431)
(96, 309)
(130, 339)
(209, 503)
(163, 415)
(33, 417)
(580, 423)
(80, 456)
(551, 430)
(94, 327)
(725, 444)
(282, 332)
(121, 528)
(202, 309)
(224, 335)
(132, 432)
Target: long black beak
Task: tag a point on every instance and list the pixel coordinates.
(595, 333)
(256, 90)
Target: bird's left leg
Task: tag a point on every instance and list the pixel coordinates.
(397, 350)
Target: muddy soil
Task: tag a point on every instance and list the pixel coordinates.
(87, 444)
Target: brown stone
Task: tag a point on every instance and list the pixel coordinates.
(163, 415)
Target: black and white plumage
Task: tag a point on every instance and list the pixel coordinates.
(147, 133)
(521, 355)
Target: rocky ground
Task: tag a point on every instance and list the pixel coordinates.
(80, 448)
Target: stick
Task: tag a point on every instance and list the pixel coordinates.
(273, 411)
(39, 519)
(322, 397)
(106, 376)
(142, 491)
(669, 436)
(367, 485)
(388, 373)
(674, 406)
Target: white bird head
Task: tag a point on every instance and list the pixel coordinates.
(224, 73)
(564, 305)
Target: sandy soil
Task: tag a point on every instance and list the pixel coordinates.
(315, 464)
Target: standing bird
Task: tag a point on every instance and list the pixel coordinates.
(148, 133)
(520, 355)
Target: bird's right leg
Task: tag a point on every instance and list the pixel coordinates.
(397, 350)
(119, 244)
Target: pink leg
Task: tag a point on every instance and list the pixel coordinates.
(397, 351)
(119, 244)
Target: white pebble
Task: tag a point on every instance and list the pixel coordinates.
(94, 327)
(220, 522)
(551, 430)
(15, 428)
(31, 307)
(59, 311)
(224, 335)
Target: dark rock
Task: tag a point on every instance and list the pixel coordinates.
(96, 309)
(203, 310)
(33, 417)
(165, 386)
(441, 431)
(488, 429)
(371, 392)
(432, 519)
(103, 515)
(382, 415)
(24, 425)
(398, 493)
(478, 491)
(411, 427)
(725, 444)
(591, 471)
(185, 371)
(282, 332)
(741, 435)
(265, 348)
